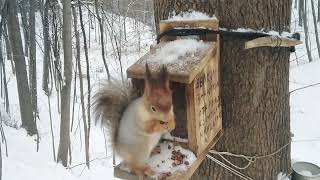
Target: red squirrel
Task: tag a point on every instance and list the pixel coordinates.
(136, 125)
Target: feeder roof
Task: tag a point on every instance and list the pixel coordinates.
(184, 59)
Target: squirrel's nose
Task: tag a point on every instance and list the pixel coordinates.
(169, 117)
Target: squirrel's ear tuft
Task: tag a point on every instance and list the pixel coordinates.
(148, 72)
(147, 81)
(164, 77)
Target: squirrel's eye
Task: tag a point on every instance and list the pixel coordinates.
(153, 109)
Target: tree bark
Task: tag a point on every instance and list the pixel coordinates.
(102, 39)
(8, 47)
(25, 25)
(21, 73)
(46, 43)
(254, 85)
(301, 9)
(64, 141)
(5, 86)
(3, 73)
(86, 125)
(315, 26)
(32, 56)
(318, 20)
(0, 162)
(306, 31)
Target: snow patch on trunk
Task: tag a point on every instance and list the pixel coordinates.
(190, 15)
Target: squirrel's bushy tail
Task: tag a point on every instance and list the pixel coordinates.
(109, 103)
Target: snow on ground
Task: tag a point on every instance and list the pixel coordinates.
(23, 162)
(305, 117)
(304, 104)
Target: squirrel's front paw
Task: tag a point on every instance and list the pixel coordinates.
(164, 125)
(155, 126)
(161, 127)
(168, 126)
(148, 171)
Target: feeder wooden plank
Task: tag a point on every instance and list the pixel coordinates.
(204, 107)
(183, 71)
(191, 121)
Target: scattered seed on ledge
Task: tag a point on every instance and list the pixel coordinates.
(174, 164)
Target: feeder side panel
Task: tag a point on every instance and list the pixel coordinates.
(208, 114)
(191, 118)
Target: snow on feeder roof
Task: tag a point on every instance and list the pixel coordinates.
(184, 58)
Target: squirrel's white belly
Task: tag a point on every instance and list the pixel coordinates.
(133, 143)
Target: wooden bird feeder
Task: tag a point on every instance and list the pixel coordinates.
(195, 83)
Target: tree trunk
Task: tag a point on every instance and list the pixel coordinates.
(301, 7)
(315, 26)
(64, 141)
(32, 56)
(25, 25)
(306, 31)
(8, 47)
(46, 44)
(86, 125)
(102, 39)
(21, 72)
(3, 69)
(0, 162)
(318, 20)
(254, 86)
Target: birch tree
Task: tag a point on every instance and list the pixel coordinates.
(21, 73)
(46, 43)
(25, 24)
(301, 9)
(64, 142)
(315, 26)
(102, 39)
(318, 11)
(86, 124)
(32, 56)
(306, 30)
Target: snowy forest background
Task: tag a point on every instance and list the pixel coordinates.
(107, 37)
